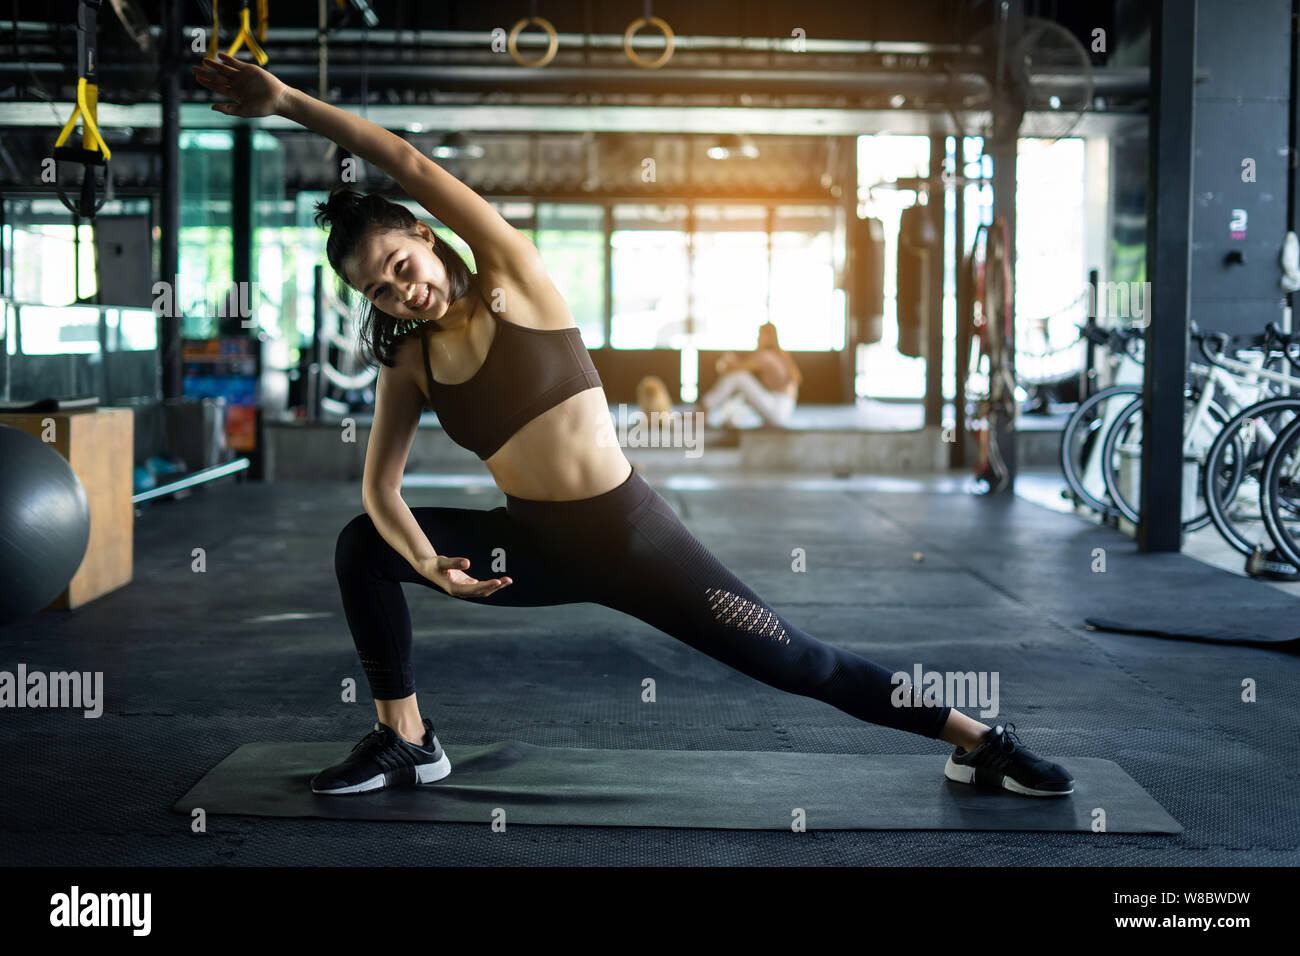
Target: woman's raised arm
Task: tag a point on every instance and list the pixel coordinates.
(256, 92)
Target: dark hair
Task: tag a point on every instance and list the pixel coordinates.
(352, 216)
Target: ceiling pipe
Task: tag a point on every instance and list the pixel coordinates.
(614, 41)
(1113, 82)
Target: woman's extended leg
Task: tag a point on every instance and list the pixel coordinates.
(371, 572)
(670, 580)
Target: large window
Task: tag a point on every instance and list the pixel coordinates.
(206, 259)
(44, 255)
(60, 330)
(743, 265)
(275, 302)
(1051, 271)
(53, 272)
(1051, 267)
(882, 370)
(806, 307)
(730, 281)
(571, 239)
(651, 275)
(131, 330)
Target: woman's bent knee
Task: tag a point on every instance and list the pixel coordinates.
(357, 543)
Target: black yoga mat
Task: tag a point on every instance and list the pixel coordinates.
(720, 789)
(1189, 629)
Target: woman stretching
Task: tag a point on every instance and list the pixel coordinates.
(496, 354)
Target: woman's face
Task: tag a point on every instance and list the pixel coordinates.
(400, 274)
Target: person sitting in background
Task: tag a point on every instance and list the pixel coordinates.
(767, 380)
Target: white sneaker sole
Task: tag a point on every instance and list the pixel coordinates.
(959, 773)
(425, 773)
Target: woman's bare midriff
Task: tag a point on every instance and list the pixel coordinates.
(566, 453)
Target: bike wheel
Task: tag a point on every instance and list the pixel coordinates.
(1280, 492)
(1081, 441)
(1121, 457)
(1232, 475)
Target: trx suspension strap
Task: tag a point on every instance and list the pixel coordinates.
(93, 151)
(246, 34)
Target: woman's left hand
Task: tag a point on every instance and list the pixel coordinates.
(255, 91)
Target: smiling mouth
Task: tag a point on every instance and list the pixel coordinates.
(423, 301)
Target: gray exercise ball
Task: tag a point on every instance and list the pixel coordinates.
(44, 524)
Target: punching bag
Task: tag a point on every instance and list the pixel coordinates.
(867, 278)
(916, 242)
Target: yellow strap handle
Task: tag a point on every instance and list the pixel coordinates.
(246, 36)
(263, 18)
(87, 105)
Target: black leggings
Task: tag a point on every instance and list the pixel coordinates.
(625, 549)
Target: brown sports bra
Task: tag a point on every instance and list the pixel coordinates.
(526, 372)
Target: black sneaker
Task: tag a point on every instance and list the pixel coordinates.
(1003, 763)
(384, 759)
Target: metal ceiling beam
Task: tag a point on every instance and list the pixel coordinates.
(1128, 81)
(614, 41)
(418, 118)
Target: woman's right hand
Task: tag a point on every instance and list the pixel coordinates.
(449, 574)
(255, 92)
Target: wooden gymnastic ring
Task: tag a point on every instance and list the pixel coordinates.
(632, 55)
(548, 56)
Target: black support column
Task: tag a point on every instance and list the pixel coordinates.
(242, 194)
(1008, 112)
(1169, 227)
(1293, 139)
(934, 295)
(169, 208)
(958, 455)
(241, 215)
(607, 298)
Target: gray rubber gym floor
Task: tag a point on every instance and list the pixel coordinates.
(255, 648)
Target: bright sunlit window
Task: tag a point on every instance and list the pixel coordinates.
(1051, 271)
(66, 330)
(726, 275)
(46, 255)
(729, 280)
(650, 278)
(1050, 267)
(571, 241)
(883, 371)
(807, 308)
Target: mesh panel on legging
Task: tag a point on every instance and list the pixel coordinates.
(734, 611)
